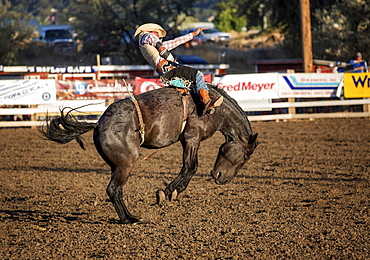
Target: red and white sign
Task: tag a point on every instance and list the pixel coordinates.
(250, 86)
(144, 84)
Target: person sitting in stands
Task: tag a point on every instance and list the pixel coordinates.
(359, 65)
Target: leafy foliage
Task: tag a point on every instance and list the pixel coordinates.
(228, 18)
(339, 28)
(15, 35)
(342, 29)
(108, 22)
(118, 18)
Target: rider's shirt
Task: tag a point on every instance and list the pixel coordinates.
(147, 41)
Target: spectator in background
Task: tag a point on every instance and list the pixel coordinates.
(359, 65)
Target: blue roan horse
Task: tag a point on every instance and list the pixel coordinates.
(118, 141)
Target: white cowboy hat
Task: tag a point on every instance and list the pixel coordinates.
(150, 27)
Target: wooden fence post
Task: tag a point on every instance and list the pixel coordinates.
(366, 107)
(33, 116)
(291, 110)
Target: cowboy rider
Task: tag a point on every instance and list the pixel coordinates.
(158, 56)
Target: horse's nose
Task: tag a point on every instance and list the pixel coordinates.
(216, 175)
(219, 178)
(222, 181)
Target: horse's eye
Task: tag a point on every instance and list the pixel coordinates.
(234, 156)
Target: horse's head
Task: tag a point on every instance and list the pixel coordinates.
(231, 157)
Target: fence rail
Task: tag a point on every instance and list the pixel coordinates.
(98, 107)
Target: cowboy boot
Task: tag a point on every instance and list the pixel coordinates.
(209, 104)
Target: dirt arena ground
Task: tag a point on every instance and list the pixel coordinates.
(305, 194)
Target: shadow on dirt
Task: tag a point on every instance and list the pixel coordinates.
(44, 218)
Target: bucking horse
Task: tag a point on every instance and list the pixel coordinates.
(157, 119)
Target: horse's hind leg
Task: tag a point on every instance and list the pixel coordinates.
(114, 190)
(121, 158)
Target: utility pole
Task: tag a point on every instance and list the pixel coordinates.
(306, 36)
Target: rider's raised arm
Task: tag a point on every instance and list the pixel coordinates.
(172, 44)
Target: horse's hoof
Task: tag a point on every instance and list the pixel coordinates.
(161, 197)
(132, 220)
(142, 221)
(174, 195)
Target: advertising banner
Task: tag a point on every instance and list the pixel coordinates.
(94, 89)
(61, 69)
(27, 92)
(144, 84)
(245, 87)
(242, 91)
(357, 85)
(309, 85)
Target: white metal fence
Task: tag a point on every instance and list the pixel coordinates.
(97, 107)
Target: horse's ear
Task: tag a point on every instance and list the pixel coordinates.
(252, 138)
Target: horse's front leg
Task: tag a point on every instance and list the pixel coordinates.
(189, 168)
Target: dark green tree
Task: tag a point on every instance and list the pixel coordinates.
(228, 18)
(15, 35)
(117, 19)
(339, 28)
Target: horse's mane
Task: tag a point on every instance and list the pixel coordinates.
(234, 103)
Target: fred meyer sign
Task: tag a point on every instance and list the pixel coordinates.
(250, 86)
(357, 85)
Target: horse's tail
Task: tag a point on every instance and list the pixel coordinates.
(65, 128)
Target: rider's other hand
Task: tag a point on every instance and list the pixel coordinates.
(197, 31)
